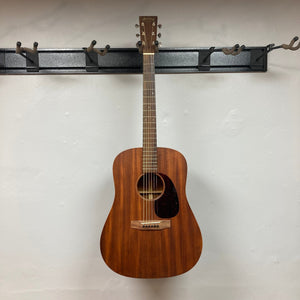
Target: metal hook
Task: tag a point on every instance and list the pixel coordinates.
(291, 46)
(235, 50)
(20, 50)
(101, 52)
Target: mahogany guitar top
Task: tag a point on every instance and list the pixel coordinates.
(149, 253)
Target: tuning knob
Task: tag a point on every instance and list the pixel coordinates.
(159, 26)
(137, 25)
(137, 35)
(159, 35)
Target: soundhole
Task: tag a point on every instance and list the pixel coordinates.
(150, 186)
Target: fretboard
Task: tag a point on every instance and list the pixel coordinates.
(149, 115)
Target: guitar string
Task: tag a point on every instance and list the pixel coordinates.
(149, 144)
(153, 146)
(143, 153)
(149, 148)
(145, 138)
(146, 141)
(155, 141)
(144, 147)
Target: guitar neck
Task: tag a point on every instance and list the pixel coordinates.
(149, 115)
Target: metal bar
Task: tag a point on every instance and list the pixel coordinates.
(129, 61)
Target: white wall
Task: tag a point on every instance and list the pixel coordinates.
(239, 133)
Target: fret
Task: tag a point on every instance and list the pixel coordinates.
(153, 159)
(149, 168)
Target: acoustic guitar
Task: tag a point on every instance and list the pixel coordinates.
(151, 231)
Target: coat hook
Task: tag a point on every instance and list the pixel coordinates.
(92, 57)
(20, 50)
(101, 52)
(235, 50)
(291, 46)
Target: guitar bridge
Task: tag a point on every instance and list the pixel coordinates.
(151, 224)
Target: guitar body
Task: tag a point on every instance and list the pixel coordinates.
(143, 253)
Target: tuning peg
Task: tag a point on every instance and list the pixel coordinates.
(159, 26)
(137, 25)
(159, 35)
(137, 35)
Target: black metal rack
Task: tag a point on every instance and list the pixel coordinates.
(21, 61)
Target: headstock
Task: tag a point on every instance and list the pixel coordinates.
(148, 34)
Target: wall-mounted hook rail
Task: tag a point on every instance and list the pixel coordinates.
(129, 60)
(32, 56)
